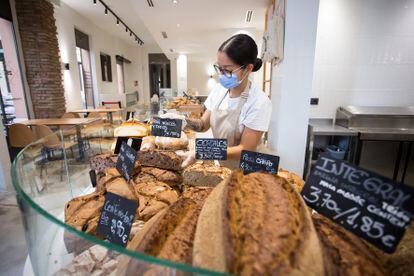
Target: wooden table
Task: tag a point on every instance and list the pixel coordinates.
(77, 122)
(108, 111)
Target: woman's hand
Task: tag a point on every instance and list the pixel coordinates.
(200, 125)
(188, 158)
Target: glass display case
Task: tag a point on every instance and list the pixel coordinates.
(46, 175)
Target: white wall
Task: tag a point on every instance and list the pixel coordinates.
(100, 41)
(182, 74)
(292, 85)
(199, 76)
(364, 54)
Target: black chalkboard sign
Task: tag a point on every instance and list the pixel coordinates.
(126, 161)
(371, 206)
(116, 219)
(211, 149)
(92, 175)
(166, 127)
(251, 161)
(135, 143)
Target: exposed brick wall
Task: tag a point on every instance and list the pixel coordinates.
(38, 34)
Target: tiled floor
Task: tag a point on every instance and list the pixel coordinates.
(13, 248)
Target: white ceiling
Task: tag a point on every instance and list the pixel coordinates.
(96, 14)
(194, 27)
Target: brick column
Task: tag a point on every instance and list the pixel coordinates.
(41, 56)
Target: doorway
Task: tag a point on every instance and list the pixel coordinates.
(160, 74)
(84, 69)
(12, 97)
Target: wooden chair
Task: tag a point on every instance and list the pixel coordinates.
(19, 137)
(52, 143)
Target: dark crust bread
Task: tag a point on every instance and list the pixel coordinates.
(344, 253)
(167, 160)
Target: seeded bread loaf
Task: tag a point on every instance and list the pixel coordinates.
(257, 224)
(204, 174)
(167, 160)
(343, 252)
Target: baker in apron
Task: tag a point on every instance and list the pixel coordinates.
(236, 109)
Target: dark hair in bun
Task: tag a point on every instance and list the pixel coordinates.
(242, 50)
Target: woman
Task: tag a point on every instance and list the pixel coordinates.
(237, 110)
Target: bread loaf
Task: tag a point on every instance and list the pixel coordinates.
(204, 174)
(150, 173)
(169, 235)
(400, 263)
(131, 129)
(257, 224)
(171, 143)
(296, 181)
(101, 162)
(167, 160)
(343, 252)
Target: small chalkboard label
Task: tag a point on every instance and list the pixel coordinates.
(166, 127)
(116, 219)
(92, 175)
(371, 206)
(135, 143)
(251, 161)
(126, 161)
(211, 149)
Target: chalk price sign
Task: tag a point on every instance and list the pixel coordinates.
(166, 127)
(126, 161)
(116, 219)
(211, 149)
(369, 205)
(251, 161)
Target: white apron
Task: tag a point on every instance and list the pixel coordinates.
(225, 125)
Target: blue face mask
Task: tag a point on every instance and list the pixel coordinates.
(229, 83)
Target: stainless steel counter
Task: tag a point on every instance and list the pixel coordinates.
(327, 127)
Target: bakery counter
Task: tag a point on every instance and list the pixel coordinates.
(49, 182)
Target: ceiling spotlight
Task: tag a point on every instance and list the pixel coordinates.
(130, 34)
(175, 1)
(117, 22)
(94, 2)
(126, 29)
(106, 11)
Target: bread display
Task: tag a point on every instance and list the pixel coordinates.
(180, 101)
(344, 253)
(204, 174)
(172, 178)
(167, 160)
(171, 143)
(257, 224)
(169, 235)
(296, 181)
(148, 143)
(131, 128)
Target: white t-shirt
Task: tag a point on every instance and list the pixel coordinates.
(255, 113)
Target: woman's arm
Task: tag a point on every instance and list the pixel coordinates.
(200, 125)
(249, 140)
